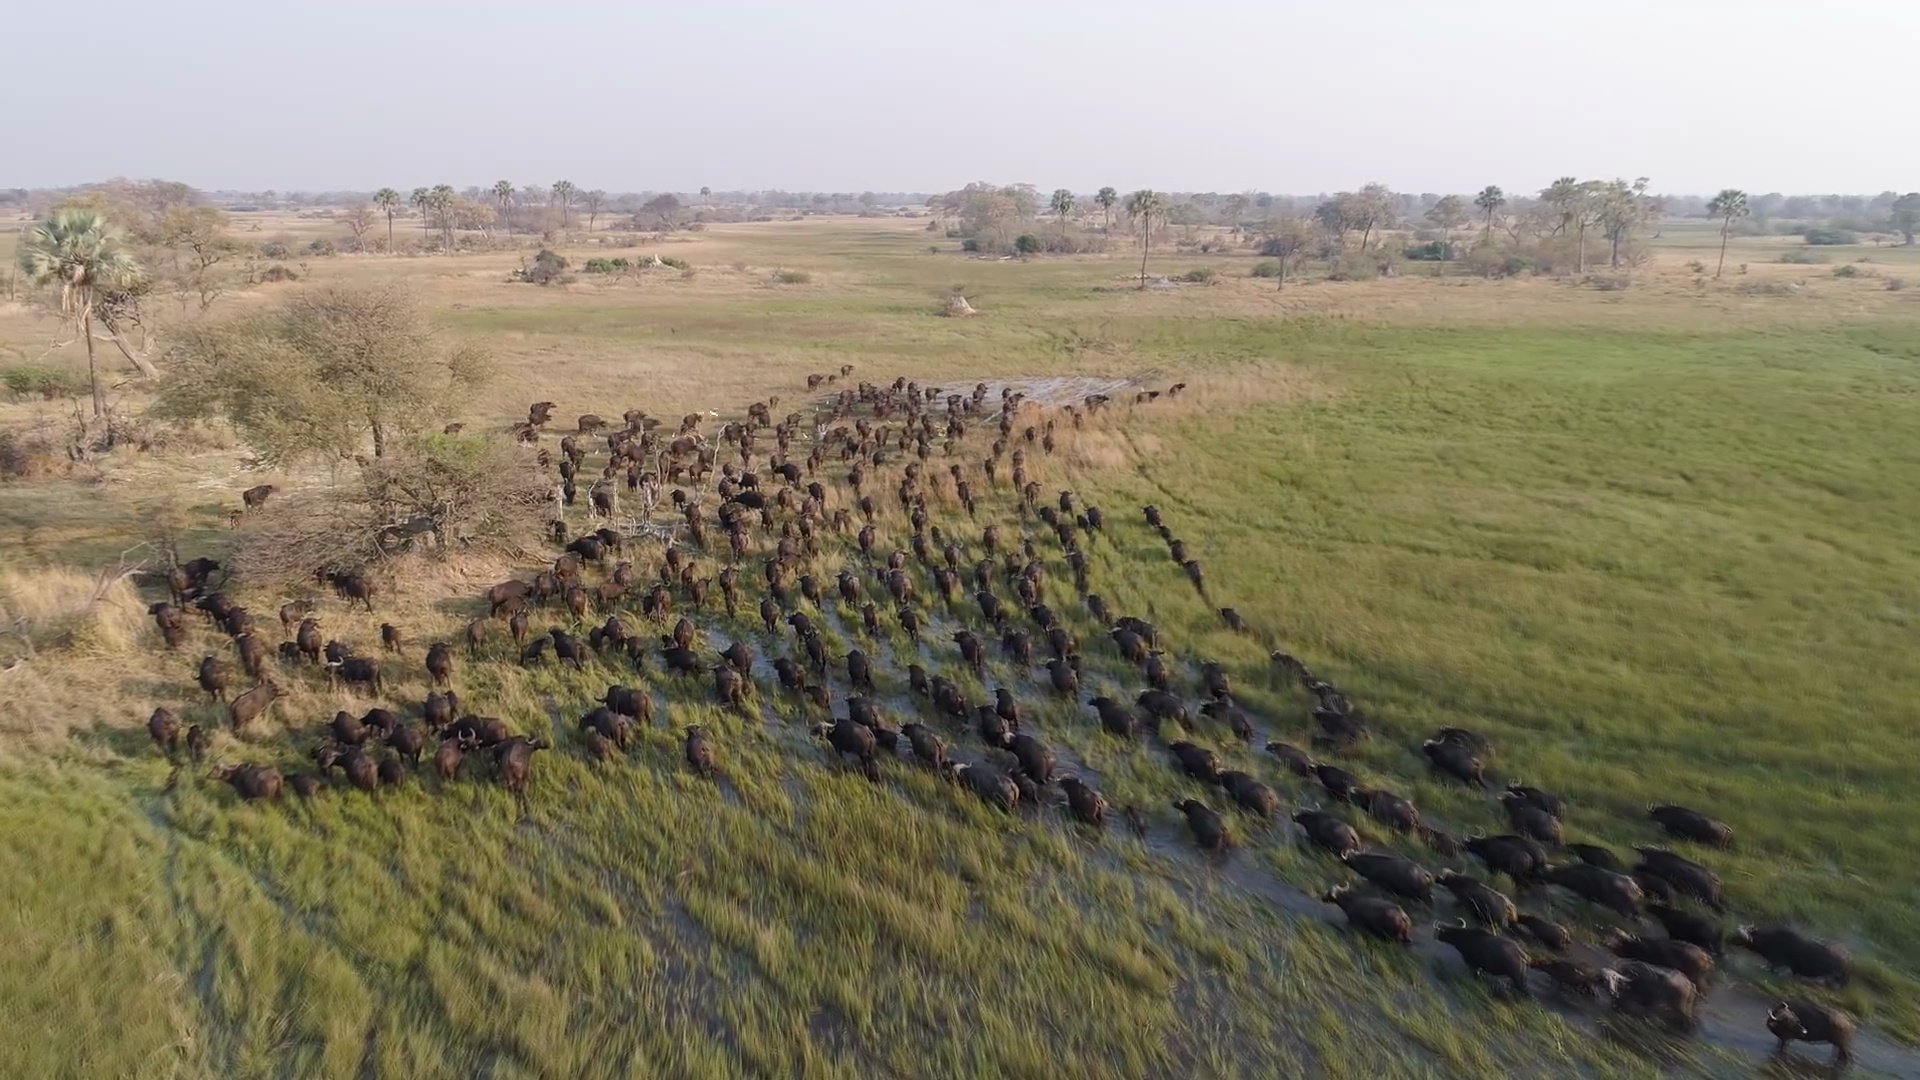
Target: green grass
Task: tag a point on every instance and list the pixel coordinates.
(1652, 564)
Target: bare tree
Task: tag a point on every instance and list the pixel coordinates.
(358, 220)
(593, 201)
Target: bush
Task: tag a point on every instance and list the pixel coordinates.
(1492, 261)
(274, 249)
(598, 266)
(1895, 284)
(322, 247)
(1803, 257)
(668, 260)
(276, 273)
(1028, 244)
(46, 383)
(1353, 268)
(970, 244)
(1831, 237)
(1697, 266)
(1846, 271)
(1610, 282)
(29, 453)
(1200, 276)
(1432, 251)
(548, 268)
(791, 277)
(1270, 268)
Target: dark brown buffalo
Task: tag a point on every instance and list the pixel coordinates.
(1487, 953)
(513, 759)
(252, 782)
(252, 705)
(164, 727)
(1377, 916)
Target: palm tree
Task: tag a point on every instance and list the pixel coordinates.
(563, 193)
(80, 251)
(441, 199)
(503, 194)
(1490, 200)
(1143, 206)
(1562, 195)
(420, 198)
(388, 200)
(1730, 204)
(1062, 204)
(1105, 200)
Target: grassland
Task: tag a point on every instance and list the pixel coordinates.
(1653, 541)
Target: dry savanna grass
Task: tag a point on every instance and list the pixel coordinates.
(1652, 540)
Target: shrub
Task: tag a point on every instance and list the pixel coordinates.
(1831, 237)
(933, 249)
(970, 244)
(1431, 251)
(276, 273)
(274, 249)
(1697, 266)
(1028, 244)
(598, 266)
(1203, 275)
(1269, 268)
(1609, 282)
(1802, 257)
(1895, 284)
(322, 247)
(792, 277)
(668, 260)
(1846, 271)
(47, 383)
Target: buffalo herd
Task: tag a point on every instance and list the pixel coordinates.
(812, 505)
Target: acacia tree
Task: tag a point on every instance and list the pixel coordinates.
(1375, 206)
(1905, 216)
(1062, 205)
(388, 200)
(1106, 198)
(503, 195)
(1729, 206)
(1235, 209)
(1625, 207)
(1490, 200)
(1447, 215)
(78, 251)
(1143, 207)
(1288, 240)
(323, 374)
(593, 200)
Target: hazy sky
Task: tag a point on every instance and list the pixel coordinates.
(1287, 97)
